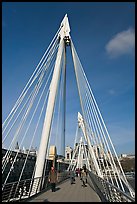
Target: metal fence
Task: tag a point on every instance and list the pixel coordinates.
(17, 191)
(110, 192)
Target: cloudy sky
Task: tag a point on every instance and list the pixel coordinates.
(104, 37)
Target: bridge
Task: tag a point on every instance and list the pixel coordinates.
(39, 109)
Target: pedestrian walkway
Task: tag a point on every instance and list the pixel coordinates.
(66, 192)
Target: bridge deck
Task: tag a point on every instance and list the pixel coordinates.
(66, 192)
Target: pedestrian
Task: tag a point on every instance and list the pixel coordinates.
(80, 173)
(84, 177)
(76, 172)
(53, 178)
(85, 169)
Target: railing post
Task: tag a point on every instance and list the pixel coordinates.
(10, 192)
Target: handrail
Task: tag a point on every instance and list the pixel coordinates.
(20, 190)
(109, 191)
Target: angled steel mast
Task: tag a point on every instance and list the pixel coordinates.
(64, 33)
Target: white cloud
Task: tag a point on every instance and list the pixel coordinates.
(122, 43)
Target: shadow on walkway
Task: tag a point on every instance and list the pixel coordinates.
(56, 189)
(46, 200)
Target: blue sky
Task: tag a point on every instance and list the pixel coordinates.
(103, 35)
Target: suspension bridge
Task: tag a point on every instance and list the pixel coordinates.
(40, 108)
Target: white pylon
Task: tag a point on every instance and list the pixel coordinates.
(81, 154)
(82, 125)
(64, 32)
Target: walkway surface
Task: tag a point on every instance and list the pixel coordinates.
(66, 192)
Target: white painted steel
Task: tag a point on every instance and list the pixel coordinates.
(49, 114)
(82, 125)
(84, 129)
(51, 102)
(64, 32)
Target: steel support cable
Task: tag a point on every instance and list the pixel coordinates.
(105, 127)
(82, 87)
(24, 94)
(48, 142)
(83, 111)
(85, 102)
(90, 114)
(103, 123)
(48, 58)
(106, 145)
(74, 153)
(92, 119)
(19, 128)
(9, 152)
(93, 106)
(15, 119)
(31, 76)
(82, 152)
(74, 55)
(33, 90)
(86, 155)
(91, 124)
(79, 152)
(38, 118)
(32, 100)
(50, 105)
(29, 125)
(46, 69)
(97, 151)
(31, 185)
(28, 97)
(73, 166)
(51, 122)
(32, 180)
(24, 165)
(27, 85)
(76, 135)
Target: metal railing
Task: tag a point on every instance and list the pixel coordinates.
(110, 192)
(17, 191)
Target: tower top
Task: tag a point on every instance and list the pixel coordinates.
(65, 28)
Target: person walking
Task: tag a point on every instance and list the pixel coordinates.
(85, 169)
(53, 178)
(80, 173)
(84, 177)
